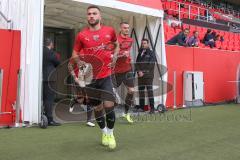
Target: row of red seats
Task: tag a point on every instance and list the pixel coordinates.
(172, 8)
(231, 41)
(198, 5)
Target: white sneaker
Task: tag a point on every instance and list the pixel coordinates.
(71, 109)
(124, 114)
(90, 124)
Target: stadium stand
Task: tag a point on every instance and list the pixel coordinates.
(195, 11)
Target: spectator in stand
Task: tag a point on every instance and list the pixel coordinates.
(217, 38)
(209, 39)
(217, 41)
(209, 31)
(221, 38)
(179, 39)
(193, 41)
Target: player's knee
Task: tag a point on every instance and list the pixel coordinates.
(108, 104)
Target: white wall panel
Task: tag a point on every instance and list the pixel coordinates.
(27, 16)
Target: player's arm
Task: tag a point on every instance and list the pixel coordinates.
(115, 52)
(74, 60)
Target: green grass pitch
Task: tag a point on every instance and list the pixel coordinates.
(205, 133)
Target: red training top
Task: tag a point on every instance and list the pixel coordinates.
(93, 46)
(124, 63)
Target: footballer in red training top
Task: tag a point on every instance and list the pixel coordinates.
(91, 46)
(123, 69)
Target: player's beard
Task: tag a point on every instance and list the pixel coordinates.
(125, 33)
(95, 23)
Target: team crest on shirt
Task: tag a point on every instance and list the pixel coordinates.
(96, 37)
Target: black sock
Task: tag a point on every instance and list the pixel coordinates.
(110, 117)
(100, 118)
(128, 102)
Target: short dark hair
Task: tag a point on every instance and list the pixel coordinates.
(47, 41)
(209, 30)
(93, 6)
(145, 39)
(186, 29)
(124, 22)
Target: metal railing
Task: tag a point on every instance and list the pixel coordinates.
(223, 9)
(189, 13)
(199, 10)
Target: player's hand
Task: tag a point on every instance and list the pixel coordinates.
(76, 80)
(112, 64)
(80, 83)
(140, 74)
(126, 53)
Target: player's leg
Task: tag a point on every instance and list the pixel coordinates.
(129, 99)
(94, 99)
(100, 118)
(110, 119)
(116, 81)
(128, 104)
(129, 83)
(108, 104)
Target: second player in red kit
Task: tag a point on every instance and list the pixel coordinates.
(124, 58)
(123, 69)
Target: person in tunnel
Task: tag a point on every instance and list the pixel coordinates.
(123, 69)
(94, 41)
(50, 62)
(145, 64)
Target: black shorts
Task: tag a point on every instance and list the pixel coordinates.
(100, 90)
(126, 78)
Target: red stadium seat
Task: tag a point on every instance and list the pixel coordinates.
(185, 26)
(218, 44)
(177, 31)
